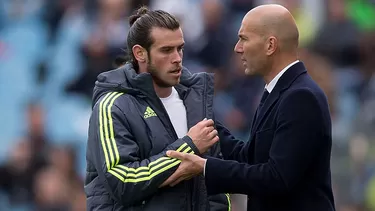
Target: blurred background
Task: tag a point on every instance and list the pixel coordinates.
(52, 51)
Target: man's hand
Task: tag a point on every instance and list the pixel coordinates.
(191, 165)
(203, 135)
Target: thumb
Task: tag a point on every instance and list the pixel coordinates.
(175, 154)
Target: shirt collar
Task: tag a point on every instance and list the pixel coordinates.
(273, 83)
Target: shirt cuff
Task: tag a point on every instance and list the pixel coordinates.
(204, 168)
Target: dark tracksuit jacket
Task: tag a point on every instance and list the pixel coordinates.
(129, 134)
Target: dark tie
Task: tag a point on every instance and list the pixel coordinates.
(264, 97)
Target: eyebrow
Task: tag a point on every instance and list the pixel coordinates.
(242, 36)
(182, 45)
(169, 46)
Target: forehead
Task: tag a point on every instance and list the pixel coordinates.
(167, 37)
(248, 26)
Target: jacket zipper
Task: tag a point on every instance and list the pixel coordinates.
(187, 183)
(204, 96)
(195, 182)
(159, 105)
(188, 187)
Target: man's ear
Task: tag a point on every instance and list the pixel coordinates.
(272, 44)
(139, 53)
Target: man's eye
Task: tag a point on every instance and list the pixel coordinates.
(166, 49)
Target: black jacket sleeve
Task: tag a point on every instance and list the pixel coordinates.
(126, 177)
(296, 142)
(231, 148)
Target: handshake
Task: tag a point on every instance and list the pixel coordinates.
(204, 135)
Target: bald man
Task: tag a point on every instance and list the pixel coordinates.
(286, 164)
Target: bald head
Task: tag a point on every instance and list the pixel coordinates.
(273, 20)
(268, 40)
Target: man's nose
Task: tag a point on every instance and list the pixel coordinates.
(238, 48)
(177, 57)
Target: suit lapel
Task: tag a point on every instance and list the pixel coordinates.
(284, 82)
(270, 101)
(252, 129)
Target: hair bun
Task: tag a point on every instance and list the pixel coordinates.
(140, 12)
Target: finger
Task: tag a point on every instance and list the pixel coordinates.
(214, 140)
(179, 180)
(207, 123)
(172, 178)
(176, 182)
(165, 183)
(213, 134)
(175, 154)
(202, 121)
(189, 177)
(210, 129)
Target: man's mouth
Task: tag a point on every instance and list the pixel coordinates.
(176, 71)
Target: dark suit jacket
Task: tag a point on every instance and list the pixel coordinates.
(286, 164)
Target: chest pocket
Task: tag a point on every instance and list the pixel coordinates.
(263, 141)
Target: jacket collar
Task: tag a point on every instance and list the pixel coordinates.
(144, 83)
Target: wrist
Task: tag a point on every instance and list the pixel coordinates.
(191, 143)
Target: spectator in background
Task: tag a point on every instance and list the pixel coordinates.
(58, 186)
(363, 137)
(366, 90)
(16, 176)
(54, 13)
(51, 191)
(36, 132)
(78, 203)
(337, 39)
(64, 160)
(106, 39)
(212, 51)
(26, 159)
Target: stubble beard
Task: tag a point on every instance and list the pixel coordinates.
(156, 76)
